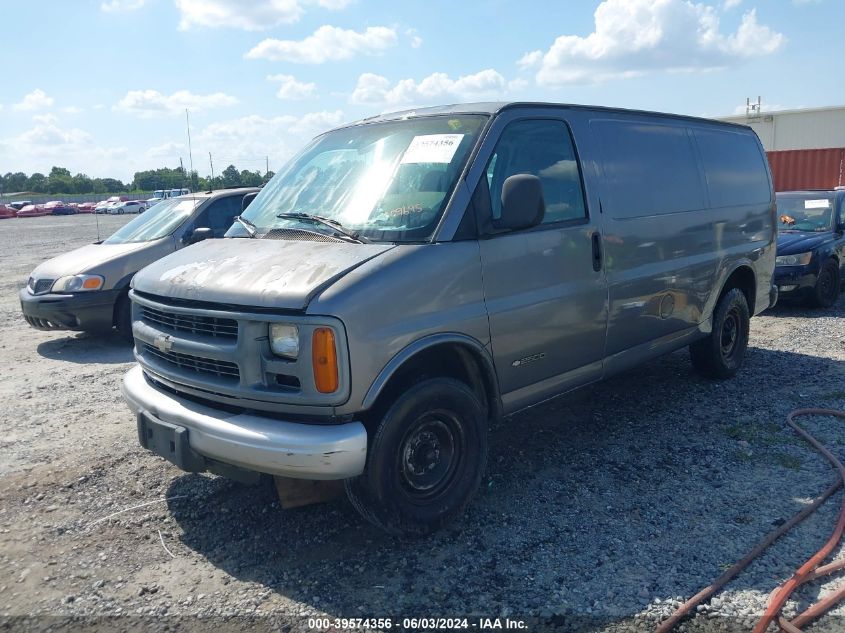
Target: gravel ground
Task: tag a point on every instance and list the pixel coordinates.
(600, 510)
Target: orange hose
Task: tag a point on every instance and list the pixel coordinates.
(807, 572)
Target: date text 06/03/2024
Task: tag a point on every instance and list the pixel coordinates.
(425, 623)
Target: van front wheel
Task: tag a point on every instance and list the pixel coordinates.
(720, 355)
(426, 459)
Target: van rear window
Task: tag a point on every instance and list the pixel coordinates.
(733, 164)
(649, 168)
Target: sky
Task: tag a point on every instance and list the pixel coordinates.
(101, 86)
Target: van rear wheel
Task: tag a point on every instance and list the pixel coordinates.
(426, 459)
(721, 354)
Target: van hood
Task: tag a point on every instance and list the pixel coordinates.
(85, 260)
(793, 242)
(249, 272)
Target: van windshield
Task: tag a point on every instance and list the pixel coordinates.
(805, 212)
(384, 181)
(161, 219)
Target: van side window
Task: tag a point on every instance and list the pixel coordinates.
(220, 214)
(649, 169)
(734, 167)
(543, 148)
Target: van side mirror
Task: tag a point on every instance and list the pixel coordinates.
(522, 203)
(198, 235)
(247, 199)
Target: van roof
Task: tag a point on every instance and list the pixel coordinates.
(494, 107)
(219, 193)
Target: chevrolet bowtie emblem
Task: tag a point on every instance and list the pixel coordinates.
(163, 342)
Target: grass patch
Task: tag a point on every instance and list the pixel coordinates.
(755, 433)
(833, 395)
(787, 461)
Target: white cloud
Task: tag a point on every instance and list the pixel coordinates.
(634, 37)
(249, 15)
(35, 100)
(121, 5)
(375, 89)
(327, 43)
(730, 4)
(334, 5)
(151, 103)
(47, 144)
(71, 110)
(293, 90)
(245, 140)
(414, 39)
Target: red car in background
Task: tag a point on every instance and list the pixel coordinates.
(85, 207)
(33, 211)
(7, 212)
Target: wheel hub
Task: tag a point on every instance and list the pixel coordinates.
(730, 333)
(427, 457)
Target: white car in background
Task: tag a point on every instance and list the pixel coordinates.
(102, 207)
(127, 206)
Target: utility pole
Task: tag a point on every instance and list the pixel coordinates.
(190, 153)
(266, 165)
(211, 164)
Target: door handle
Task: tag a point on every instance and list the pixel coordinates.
(596, 238)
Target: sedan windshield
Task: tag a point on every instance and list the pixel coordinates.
(383, 181)
(805, 212)
(162, 219)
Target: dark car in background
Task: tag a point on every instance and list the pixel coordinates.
(20, 204)
(57, 207)
(810, 262)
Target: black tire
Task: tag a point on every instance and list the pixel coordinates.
(827, 287)
(426, 459)
(720, 355)
(120, 211)
(123, 318)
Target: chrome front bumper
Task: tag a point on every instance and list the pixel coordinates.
(253, 442)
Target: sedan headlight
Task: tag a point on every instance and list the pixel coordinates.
(800, 259)
(78, 283)
(284, 340)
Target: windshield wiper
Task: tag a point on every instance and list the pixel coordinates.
(249, 226)
(318, 219)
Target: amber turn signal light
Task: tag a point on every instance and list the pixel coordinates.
(324, 360)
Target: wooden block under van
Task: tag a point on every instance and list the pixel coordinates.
(294, 493)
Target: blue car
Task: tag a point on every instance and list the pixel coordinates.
(810, 262)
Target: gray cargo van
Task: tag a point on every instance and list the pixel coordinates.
(407, 278)
(87, 289)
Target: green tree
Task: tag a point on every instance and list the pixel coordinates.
(267, 177)
(82, 184)
(231, 177)
(14, 182)
(37, 183)
(250, 178)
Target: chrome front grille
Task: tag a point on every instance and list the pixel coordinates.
(39, 286)
(195, 324)
(197, 364)
(223, 353)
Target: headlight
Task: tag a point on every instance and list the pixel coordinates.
(284, 340)
(801, 259)
(78, 283)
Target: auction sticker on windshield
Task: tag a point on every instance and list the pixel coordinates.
(432, 148)
(816, 204)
